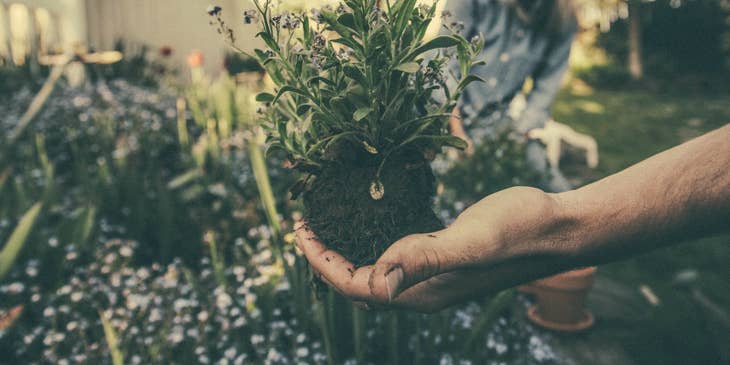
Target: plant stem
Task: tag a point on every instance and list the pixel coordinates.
(218, 264)
(261, 174)
(489, 315)
(358, 329)
(393, 343)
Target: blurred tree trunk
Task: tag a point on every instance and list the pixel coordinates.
(636, 67)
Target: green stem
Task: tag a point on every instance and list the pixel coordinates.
(490, 314)
(358, 329)
(218, 264)
(393, 343)
(261, 174)
(321, 311)
(266, 194)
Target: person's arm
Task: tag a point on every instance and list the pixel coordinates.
(456, 126)
(679, 194)
(521, 234)
(547, 81)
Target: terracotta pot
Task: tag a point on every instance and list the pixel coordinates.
(561, 300)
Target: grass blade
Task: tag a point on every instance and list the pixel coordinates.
(112, 341)
(4, 177)
(17, 239)
(489, 315)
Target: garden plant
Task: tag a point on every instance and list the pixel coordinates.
(361, 106)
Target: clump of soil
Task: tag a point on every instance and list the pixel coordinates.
(341, 212)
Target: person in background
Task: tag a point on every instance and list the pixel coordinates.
(523, 39)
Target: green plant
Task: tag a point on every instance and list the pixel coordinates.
(361, 97)
(359, 73)
(112, 340)
(17, 239)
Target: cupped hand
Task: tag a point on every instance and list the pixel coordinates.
(508, 238)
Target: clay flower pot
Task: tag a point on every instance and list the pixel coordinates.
(561, 300)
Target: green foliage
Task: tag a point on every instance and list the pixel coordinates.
(360, 74)
(680, 39)
(118, 161)
(17, 239)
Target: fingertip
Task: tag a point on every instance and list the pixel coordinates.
(385, 282)
(299, 225)
(307, 242)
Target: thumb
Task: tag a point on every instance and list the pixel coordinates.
(408, 261)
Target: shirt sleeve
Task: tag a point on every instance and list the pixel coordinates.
(547, 80)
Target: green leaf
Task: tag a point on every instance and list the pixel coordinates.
(444, 41)
(111, 340)
(264, 97)
(463, 58)
(468, 80)
(348, 20)
(317, 79)
(17, 239)
(281, 127)
(262, 56)
(272, 148)
(305, 29)
(451, 141)
(86, 225)
(269, 41)
(408, 67)
(361, 113)
(357, 47)
(303, 109)
(185, 178)
(4, 177)
(286, 89)
(354, 73)
(330, 18)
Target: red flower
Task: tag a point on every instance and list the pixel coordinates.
(166, 51)
(195, 59)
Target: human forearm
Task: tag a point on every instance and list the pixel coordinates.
(679, 194)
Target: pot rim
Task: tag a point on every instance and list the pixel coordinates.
(574, 280)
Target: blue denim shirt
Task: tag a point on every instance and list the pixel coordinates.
(513, 52)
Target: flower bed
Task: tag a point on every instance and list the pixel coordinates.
(237, 295)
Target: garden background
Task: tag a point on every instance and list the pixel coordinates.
(140, 224)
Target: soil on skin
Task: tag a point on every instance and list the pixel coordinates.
(343, 215)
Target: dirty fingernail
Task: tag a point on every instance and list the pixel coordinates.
(393, 280)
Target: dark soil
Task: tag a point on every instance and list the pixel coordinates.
(343, 215)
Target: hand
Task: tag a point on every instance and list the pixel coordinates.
(501, 241)
(457, 129)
